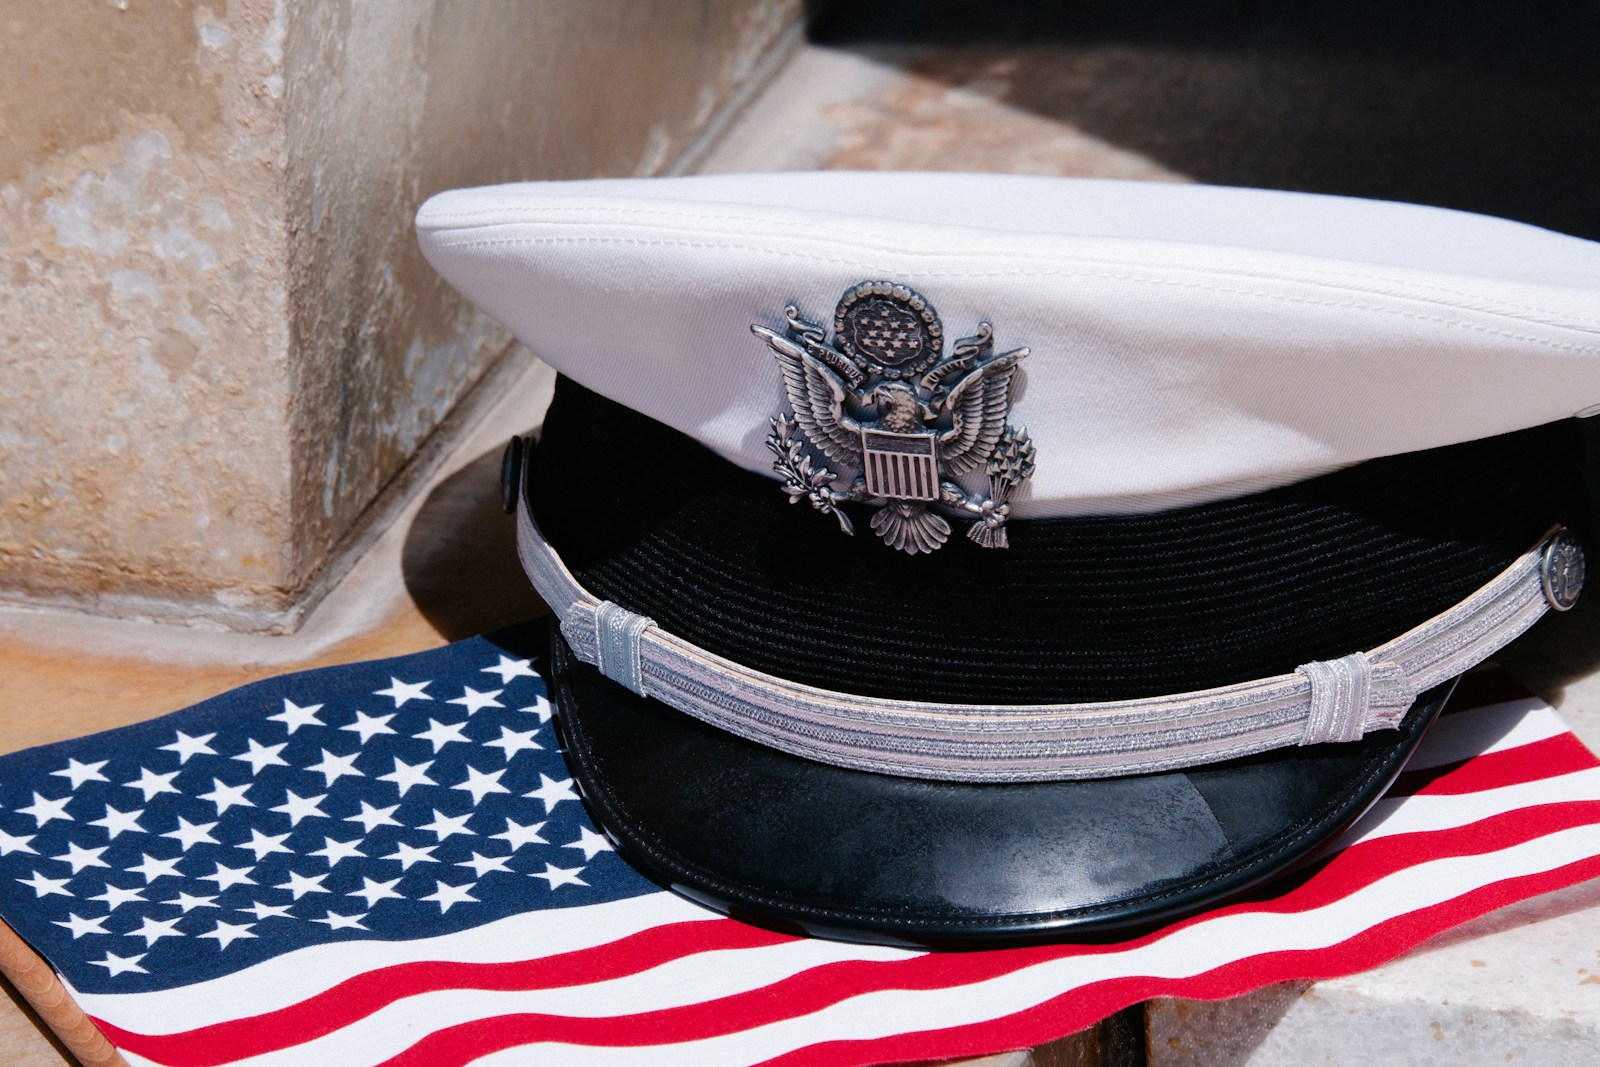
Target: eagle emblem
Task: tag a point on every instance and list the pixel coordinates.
(903, 421)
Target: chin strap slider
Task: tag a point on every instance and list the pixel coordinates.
(617, 632)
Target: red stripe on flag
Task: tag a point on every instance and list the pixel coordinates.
(1546, 758)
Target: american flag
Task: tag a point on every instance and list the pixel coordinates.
(386, 863)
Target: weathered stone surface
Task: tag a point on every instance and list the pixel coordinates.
(220, 352)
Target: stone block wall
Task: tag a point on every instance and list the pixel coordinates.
(221, 356)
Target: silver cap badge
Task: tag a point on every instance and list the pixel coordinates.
(884, 402)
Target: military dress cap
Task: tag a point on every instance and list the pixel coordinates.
(964, 560)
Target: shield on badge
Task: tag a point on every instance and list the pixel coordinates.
(901, 466)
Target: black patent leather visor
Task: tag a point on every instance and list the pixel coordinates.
(781, 841)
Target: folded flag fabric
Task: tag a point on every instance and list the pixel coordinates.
(386, 863)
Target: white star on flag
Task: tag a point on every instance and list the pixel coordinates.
(188, 902)
(186, 746)
(300, 884)
(512, 742)
(10, 844)
(335, 921)
(119, 822)
(227, 933)
(298, 807)
(482, 865)
(406, 854)
(189, 834)
(369, 726)
(481, 785)
(448, 896)
(260, 756)
(79, 858)
(373, 891)
(153, 785)
(441, 734)
(44, 810)
(334, 851)
(540, 707)
(475, 701)
(401, 692)
(516, 834)
(553, 792)
(263, 845)
(43, 887)
(445, 825)
(334, 767)
(405, 775)
(294, 716)
(81, 926)
(227, 796)
(78, 773)
(114, 897)
(268, 911)
(592, 843)
(153, 868)
(121, 964)
(557, 876)
(509, 668)
(229, 876)
(153, 930)
(371, 818)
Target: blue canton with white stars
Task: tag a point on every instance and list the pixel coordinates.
(396, 799)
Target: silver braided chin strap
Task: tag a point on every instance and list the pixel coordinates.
(1336, 700)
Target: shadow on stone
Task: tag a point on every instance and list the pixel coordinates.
(459, 561)
(1483, 107)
